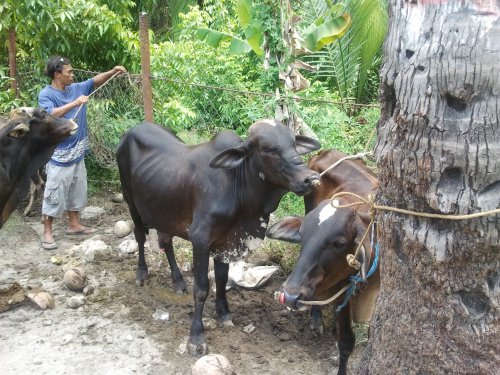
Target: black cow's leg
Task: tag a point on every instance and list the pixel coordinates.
(165, 242)
(142, 267)
(316, 322)
(197, 343)
(221, 270)
(345, 337)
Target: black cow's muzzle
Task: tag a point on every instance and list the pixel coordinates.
(307, 184)
(313, 181)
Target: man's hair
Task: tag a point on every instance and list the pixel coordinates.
(55, 64)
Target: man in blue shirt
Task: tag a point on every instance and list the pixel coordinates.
(66, 186)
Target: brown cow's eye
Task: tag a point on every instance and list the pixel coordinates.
(338, 243)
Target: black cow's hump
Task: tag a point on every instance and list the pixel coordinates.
(225, 139)
(151, 134)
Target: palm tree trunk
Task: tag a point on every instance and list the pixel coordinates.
(438, 150)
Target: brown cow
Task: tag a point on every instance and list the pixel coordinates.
(27, 142)
(218, 195)
(328, 234)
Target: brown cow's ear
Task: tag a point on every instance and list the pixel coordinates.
(230, 158)
(287, 229)
(20, 130)
(304, 144)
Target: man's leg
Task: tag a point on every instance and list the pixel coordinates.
(53, 204)
(74, 225)
(77, 200)
(47, 229)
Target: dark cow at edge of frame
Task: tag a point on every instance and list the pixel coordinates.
(27, 141)
(327, 235)
(218, 195)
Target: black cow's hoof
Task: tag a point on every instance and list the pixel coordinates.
(227, 322)
(141, 277)
(180, 287)
(198, 350)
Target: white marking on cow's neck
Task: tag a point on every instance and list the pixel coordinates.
(261, 175)
(328, 211)
(263, 223)
(253, 243)
(269, 122)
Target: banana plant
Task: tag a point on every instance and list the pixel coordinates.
(325, 30)
(348, 61)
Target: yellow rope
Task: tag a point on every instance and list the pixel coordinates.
(357, 156)
(373, 207)
(326, 302)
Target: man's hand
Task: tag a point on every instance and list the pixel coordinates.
(119, 68)
(81, 100)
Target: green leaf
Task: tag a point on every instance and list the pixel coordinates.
(255, 38)
(318, 36)
(244, 12)
(215, 38)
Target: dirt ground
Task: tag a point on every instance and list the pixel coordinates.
(114, 332)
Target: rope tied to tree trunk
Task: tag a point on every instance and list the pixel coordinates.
(370, 200)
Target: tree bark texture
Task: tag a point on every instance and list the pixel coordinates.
(438, 151)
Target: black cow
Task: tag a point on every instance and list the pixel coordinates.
(218, 195)
(27, 142)
(328, 234)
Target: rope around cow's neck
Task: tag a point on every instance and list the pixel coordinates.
(357, 156)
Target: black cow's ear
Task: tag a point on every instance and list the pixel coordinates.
(230, 158)
(20, 130)
(304, 144)
(287, 229)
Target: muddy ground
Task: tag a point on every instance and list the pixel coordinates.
(115, 332)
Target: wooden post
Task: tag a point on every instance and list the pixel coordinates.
(12, 61)
(147, 91)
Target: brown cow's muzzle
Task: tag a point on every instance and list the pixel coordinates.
(289, 300)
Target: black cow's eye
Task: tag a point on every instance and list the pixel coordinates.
(268, 151)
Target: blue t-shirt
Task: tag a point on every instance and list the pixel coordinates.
(73, 148)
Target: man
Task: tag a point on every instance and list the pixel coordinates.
(66, 186)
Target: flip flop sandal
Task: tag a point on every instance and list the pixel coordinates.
(49, 245)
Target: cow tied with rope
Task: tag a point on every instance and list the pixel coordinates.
(338, 248)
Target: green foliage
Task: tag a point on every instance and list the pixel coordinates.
(348, 63)
(214, 39)
(198, 106)
(321, 34)
(252, 28)
(88, 32)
